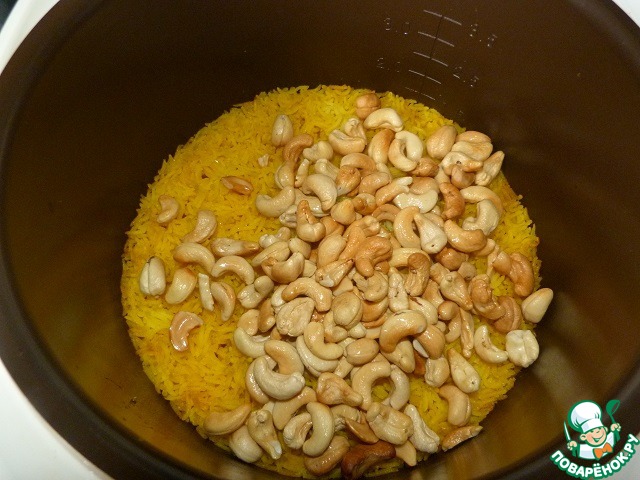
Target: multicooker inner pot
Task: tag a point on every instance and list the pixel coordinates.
(102, 91)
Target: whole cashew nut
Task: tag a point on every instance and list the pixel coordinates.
(191, 252)
(274, 384)
(466, 241)
(389, 424)
(169, 206)
(463, 374)
(206, 224)
(183, 283)
(321, 296)
(181, 326)
(283, 411)
(322, 430)
(275, 206)
(282, 130)
(243, 446)
(423, 438)
(332, 456)
(222, 423)
(334, 390)
(441, 141)
(485, 349)
(234, 264)
(362, 381)
(459, 404)
(384, 118)
(261, 429)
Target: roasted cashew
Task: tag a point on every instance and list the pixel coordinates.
(487, 218)
(475, 144)
(334, 390)
(323, 187)
(152, 280)
(228, 246)
(248, 321)
(399, 395)
(466, 241)
(373, 251)
(282, 130)
(398, 297)
(361, 430)
(463, 374)
(436, 371)
(169, 209)
(464, 161)
(320, 150)
(398, 157)
(490, 169)
(512, 318)
(407, 453)
(522, 347)
(343, 412)
(423, 438)
(403, 227)
(224, 295)
(467, 328)
(277, 385)
(322, 429)
(384, 118)
(373, 288)
(295, 146)
(460, 178)
(485, 349)
(476, 193)
(314, 338)
(389, 424)
(453, 201)
(181, 326)
(325, 167)
(183, 283)
(284, 271)
(347, 180)
(441, 141)
(394, 188)
(275, 206)
(361, 351)
(234, 264)
(222, 423)
(255, 392)
(373, 182)
(535, 305)
(483, 299)
(361, 458)
(459, 435)
(249, 345)
(243, 446)
(344, 144)
(366, 104)
(425, 307)
(459, 404)
(378, 148)
(347, 309)
(284, 410)
(329, 249)
(432, 238)
(238, 185)
(253, 294)
(285, 355)
(295, 431)
(432, 341)
(294, 316)
(192, 252)
(419, 265)
(315, 365)
(307, 226)
(344, 212)
(206, 224)
(321, 296)
(362, 381)
(261, 429)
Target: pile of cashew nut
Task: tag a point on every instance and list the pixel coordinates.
(369, 278)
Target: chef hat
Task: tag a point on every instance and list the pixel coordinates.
(585, 416)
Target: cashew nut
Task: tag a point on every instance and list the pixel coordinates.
(282, 131)
(483, 299)
(485, 349)
(255, 392)
(275, 206)
(522, 347)
(361, 351)
(487, 218)
(225, 296)
(322, 187)
(399, 395)
(394, 188)
(322, 150)
(400, 325)
(307, 226)
(322, 430)
(278, 250)
(293, 316)
(252, 295)
(295, 431)
(419, 265)
(206, 224)
(314, 338)
(321, 296)
(441, 141)
(432, 340)
(228, 246)
(361, 458)
(432, 238)
(389, 424)
(423, 438)
(476, 193)
(374, 250)
(191, 252)
(274, 384)
(283, 411)
(315, 365)
(152, 279)
(222, 423)
(453, 202)
(459, 410)
(285, 355)
(366, 104)
(398, 297)
(490, 169)
(261, 429)
(362, 381)
(384, 118)
(399, 158)
(344, 212)
(237, 184)
(249, 345)
(169, 206)
(234, 264)
(535, 305)
(463, 374)
(181, 326)
(183, 283)
(243, 446)
(333, 390)
(459, 435)
(347, 309)
(436, 371)
(373, 182)
(466, 241)
(344, 144)
(284, 271)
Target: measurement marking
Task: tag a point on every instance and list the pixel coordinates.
(444, 64)
(433, 13)
(420, 54)
(424, 75)
(453, 21)
(445, 42)
(421, 93)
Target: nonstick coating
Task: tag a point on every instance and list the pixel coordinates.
(102, 91)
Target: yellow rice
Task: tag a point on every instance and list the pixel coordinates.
(209, 376)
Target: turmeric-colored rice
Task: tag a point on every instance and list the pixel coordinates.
(209, 376)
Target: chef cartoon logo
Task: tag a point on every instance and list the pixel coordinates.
(595, 440)
(592, 438)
